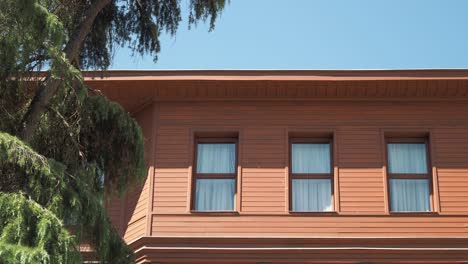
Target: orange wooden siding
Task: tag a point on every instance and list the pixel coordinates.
(307, 226)
(263, 129)
(264, 108)
(451, 161)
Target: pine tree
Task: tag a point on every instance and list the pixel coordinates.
(60, 141)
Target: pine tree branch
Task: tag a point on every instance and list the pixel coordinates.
(76, 144)
(47, 92)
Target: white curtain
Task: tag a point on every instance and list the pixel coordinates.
(216, 158)
(215, 195)
(407, 158)
(409, 195)
(310, 158)
(311, 195)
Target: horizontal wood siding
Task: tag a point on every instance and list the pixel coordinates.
(135, 230)
(263, 173)
(170, 190)
(171, 176)
(263, 190)
(452, 169)
(263, 129)
(360, 170)
(303, 226)
(361, 191)
(136, 203)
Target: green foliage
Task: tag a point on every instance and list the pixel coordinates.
(67, 185)
(138, 25)
(32, 234)
(74, 198)
(114, 140)
(52, 190)
(22, 169)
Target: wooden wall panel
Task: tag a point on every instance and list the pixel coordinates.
(263, 175)
(306, 226)
(361, 191)
(361, 182)
(451, 158)
(263, 191)
(170, 190)
(171, 176)
(263, 128)
(135, 230)
(173, 146)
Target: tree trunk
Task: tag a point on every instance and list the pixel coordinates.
(46, 92)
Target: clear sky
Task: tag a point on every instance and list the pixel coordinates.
(319, 34)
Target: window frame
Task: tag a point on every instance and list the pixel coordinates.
(330, 176)
(196, 175)
(410, 176)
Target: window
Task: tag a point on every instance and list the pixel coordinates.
(409, 178)
(311, 179)
(215, 174)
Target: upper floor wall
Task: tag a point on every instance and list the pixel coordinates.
(359, 114)
(263, 129)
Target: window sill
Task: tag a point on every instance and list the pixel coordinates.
(432, 213)
(220, 213)
(331, 213)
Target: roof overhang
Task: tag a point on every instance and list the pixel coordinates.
(133, 88)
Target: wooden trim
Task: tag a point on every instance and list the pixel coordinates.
(191, 170)
(311, 176)
(314, 213)
(399, 74)
(408, 176)
(341, 214)
(409, 140)
(301, 249)
(383, 146)
(215, 140)
(414, 213)
(215, 213)
(238, 193)
(287, 169)
(293, 241)
(336, 180)
(154, 120)
(435, 176)
(216, 175)
(300, 140)
(202, 138)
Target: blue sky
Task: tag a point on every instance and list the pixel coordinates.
(319, 34)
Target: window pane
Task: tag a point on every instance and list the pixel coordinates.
(407, 158)
(310, 158)
(311, 195)
(409, 195)
(216, 158)
(215, 195)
